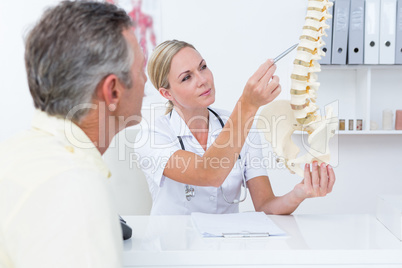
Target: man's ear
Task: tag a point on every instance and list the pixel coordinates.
(165, 93)
(110, 90)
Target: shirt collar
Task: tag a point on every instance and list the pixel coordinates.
(71, 136)
(180, 128)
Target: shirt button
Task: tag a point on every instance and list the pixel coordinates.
(69, 148)
(212, 198)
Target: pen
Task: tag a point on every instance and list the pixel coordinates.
(245, 234)
(283, 54)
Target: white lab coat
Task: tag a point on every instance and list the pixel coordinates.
(168, 195)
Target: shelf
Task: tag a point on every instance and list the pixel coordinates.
(361, 92)
(370, 132)
(361, 67)
(361, 132)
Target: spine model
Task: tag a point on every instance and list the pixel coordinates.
(304, 78)
(284, 117)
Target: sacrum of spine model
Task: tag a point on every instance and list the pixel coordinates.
(283, 117)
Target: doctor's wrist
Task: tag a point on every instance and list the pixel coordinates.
(247, 107)
(296, 198)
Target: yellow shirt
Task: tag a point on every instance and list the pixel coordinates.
(55, 207)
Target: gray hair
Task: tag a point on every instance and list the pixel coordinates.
(73, 47)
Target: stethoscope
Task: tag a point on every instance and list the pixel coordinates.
(189, 190)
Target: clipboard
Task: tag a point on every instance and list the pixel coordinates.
(235, 225)
(244, 234)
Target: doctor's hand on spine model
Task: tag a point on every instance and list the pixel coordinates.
(197, 158)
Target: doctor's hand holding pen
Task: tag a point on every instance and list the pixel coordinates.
(263, 87)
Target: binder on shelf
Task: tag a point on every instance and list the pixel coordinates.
(398, 44)
(327, 48)
(372, 32)
(340, 31)
(356, 32)
(387, 31)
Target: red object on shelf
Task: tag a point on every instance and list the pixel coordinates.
(398, 120)
(359, 124)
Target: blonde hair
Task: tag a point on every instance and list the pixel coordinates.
(159, 64)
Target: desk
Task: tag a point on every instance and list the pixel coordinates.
(343, 241)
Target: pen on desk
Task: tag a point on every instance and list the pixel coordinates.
(283, 54)
(244, 234)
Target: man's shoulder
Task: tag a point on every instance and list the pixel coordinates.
(34, 154)
(13, 140)
(29, 142)
(32, 142)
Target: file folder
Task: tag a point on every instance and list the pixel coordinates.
(372, 32)
(327, 48)
(387, 31)
(340, 31)
(398, 45)
(356, 32)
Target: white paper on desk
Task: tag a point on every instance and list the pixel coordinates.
(215, 225)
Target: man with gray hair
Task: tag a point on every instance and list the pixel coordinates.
(85, 74)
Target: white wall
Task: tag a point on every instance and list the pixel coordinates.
(234, 37)
(16, 106)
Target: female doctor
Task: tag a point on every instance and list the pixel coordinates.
(197, 157)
